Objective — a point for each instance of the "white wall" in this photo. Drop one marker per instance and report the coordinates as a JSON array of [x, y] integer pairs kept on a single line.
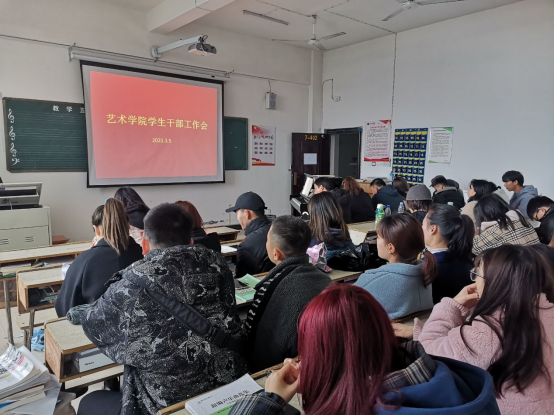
[[489, 75], [39, 71]]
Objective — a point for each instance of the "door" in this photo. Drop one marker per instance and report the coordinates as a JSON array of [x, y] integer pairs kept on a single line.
[[311, 153], [348, 155]]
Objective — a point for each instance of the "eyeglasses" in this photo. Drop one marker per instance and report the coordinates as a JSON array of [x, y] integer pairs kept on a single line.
[[473, 275]]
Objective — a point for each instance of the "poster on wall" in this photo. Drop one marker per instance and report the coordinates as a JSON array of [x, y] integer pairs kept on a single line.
[[440, 144], [263, 146], [377, 141], [409, 153]]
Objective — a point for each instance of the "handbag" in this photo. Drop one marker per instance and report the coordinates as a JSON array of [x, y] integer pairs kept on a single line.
[[355, 259]]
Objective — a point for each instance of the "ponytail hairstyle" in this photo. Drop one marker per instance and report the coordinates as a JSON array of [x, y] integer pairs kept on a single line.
[[115, 225], [456, 229], [482, 188], [516, 277], [405, 233]]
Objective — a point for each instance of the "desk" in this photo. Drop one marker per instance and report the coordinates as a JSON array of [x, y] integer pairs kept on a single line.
[[335, 275], [30, 279], [260, 378], [225, 233], [359, 231], [35, 253], [61, 339]]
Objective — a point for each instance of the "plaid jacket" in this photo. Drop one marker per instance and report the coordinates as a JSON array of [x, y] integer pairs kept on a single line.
[[420, 368], [494, 236]]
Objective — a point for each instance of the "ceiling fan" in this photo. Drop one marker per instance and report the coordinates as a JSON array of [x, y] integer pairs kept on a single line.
[[412, 4], [314, 41]]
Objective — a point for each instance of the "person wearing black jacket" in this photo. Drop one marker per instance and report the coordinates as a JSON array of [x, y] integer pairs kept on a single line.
[[114, 251], [252, 254], [199, 235], [271, 323], [444, 193], [361, 206], [385, 194], [325, 184]]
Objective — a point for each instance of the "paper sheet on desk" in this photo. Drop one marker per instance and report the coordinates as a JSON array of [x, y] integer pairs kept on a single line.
[[227, 249], [45, 406]]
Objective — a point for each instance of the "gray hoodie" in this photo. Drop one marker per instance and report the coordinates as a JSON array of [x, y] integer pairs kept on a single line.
[[520, 200]]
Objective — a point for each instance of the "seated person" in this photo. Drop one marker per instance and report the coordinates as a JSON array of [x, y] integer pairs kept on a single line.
[[449, 236], [251, 253], [401, 185], [478, 188], [324, 184], [138, 322], [499, 225], [539, 208], [352, 364], [287, 289], [403, 286], [114, 251], [513, 181], [546, 231], [199, 236], [327, 224], [444, 193], [385, 194], [503, 324], [418, 201], [361, 206], [136, 210]]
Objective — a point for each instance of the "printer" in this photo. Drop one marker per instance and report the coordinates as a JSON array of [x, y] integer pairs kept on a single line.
[[299, 203], [24, 223]]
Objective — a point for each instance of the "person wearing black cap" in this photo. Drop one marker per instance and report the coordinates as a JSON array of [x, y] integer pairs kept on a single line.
[[252, 254], [445, 193]]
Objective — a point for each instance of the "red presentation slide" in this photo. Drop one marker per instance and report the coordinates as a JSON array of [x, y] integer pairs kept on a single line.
[[144, 128]]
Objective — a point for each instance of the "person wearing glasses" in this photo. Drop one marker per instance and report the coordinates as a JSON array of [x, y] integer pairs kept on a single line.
[[541, 209], [510, 332]]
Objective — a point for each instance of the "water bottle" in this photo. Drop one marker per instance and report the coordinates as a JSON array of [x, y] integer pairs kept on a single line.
[[388, 212], [401, 208], [391, 176], [379, 214]]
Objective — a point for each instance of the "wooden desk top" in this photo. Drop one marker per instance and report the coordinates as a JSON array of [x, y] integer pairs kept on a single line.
[[368, 227], [221, 230], [42, 276], [58, 250], [335, 275], [70, 338], [260, 378]]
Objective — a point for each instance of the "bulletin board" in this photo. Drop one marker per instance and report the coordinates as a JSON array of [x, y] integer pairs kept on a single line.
[[409, 154]]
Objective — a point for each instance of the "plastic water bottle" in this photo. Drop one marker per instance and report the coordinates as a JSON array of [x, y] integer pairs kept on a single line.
[[401, 208], [391, 176], [379, 214], [388, 212]]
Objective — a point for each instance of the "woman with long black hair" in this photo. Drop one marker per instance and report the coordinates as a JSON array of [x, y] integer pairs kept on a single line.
[[449, 236], [136, 211], [499, 225], [478, 188], [510, 333]]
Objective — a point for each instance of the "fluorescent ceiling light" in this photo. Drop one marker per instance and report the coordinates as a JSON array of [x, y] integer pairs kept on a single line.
[[249, 13]]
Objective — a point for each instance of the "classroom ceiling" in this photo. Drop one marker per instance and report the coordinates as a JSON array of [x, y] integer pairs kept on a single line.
[[360, 19]]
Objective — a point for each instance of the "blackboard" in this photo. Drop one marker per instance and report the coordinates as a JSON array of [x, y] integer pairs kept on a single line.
[[44, 136], [235, 137]]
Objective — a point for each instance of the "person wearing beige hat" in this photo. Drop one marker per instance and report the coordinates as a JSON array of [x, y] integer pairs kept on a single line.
[[418, 200]]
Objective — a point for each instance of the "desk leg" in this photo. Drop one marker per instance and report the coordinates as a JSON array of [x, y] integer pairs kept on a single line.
[[31, 328], [8, 310]]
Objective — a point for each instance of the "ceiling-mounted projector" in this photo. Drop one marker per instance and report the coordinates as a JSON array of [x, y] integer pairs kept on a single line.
[[198, 47]]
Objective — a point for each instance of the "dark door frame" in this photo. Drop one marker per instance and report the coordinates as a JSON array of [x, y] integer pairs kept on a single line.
[[359, 130]]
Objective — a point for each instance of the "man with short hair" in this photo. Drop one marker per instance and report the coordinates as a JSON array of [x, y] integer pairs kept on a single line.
[[540, 207], [385, 194], [281, 296], [251, 253], [444, 193], [513, 181], [326, 184], [141, 321]]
